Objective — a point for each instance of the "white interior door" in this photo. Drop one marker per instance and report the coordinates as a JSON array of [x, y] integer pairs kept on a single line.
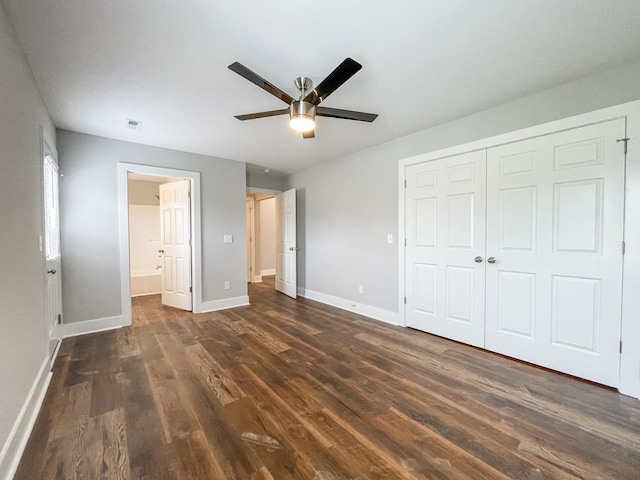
[[53, 287], [286, 249], [175, 244], [445, 233], [555, 229]]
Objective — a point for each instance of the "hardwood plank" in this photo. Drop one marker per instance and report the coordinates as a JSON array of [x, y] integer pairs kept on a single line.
[[294, 389], [222, 385], [115, 455], [194, 458]]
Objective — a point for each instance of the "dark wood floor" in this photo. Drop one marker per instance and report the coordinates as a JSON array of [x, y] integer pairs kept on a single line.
[[296, 389]]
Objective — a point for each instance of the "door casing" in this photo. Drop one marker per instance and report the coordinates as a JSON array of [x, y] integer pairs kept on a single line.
[[123, 218]]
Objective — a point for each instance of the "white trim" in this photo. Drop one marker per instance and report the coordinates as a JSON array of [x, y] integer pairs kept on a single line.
[[374, 313], [630, 357], [146, 294], [270, 271], [95, 326], [252, 238], [17, 440], [225, 303], [123, 217]]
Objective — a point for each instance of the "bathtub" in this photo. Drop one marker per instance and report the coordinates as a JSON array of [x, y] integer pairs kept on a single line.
[[145, 283]]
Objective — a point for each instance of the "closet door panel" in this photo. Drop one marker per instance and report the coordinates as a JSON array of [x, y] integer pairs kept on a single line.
[[445, 231], [554, 226]]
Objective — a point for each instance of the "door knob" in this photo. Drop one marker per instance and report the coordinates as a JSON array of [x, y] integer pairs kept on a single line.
[[478, 259], [52, 271], [491, 260]]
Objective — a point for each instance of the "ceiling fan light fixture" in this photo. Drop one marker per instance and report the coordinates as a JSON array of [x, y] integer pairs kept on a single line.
[[302, 116]]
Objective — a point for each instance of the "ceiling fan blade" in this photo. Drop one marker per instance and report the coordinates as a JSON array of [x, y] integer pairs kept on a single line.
[[346, 114], [261, 82], [270, 113], [341, 74], [309, 134]]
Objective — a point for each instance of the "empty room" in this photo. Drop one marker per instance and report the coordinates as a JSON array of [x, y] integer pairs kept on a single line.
[[328, 241]]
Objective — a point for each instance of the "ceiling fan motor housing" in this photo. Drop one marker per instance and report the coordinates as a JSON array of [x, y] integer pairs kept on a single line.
[[302, 115], [302, 108]]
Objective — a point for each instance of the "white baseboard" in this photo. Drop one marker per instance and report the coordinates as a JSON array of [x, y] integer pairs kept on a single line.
[[145, 294], [352, 306], [223, 304], [271, 271], [93, 326], [257, 279], [16, 442]]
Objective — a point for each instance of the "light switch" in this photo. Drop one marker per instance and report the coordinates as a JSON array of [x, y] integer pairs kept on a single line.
[[228, 239], [389, 237]]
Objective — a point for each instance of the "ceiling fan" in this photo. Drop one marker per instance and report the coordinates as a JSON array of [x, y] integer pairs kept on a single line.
[[302, 112]]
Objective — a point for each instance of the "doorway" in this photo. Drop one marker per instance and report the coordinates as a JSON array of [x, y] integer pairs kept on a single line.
[[192, 281], [271, 239], [159, 238], [261, 236], [51, 245]]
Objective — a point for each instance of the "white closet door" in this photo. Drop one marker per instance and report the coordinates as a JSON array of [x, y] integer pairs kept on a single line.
[[554, 226], [445, 232]]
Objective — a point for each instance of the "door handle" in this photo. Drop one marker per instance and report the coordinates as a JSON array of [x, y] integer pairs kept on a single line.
[[52, 271], [478, 259], [160, 251], [491, 260]]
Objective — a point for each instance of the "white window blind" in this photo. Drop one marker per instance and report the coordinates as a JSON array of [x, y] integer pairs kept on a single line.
[[51, 209]]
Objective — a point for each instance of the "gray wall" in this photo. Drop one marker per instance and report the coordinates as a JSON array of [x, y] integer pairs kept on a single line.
[[89, 192], [23, 345], [266, 181], [347, 206]]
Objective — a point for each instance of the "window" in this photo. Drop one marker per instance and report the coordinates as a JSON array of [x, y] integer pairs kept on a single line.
[[51, 209]]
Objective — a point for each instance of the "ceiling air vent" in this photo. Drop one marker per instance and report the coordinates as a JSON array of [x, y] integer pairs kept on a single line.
[[133, 124]]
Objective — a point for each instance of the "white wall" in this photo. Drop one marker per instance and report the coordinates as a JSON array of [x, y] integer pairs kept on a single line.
[[91, 281], [144, 230], [347, 207], [142, 192], [267, 232], [23, 345], [144, 239]]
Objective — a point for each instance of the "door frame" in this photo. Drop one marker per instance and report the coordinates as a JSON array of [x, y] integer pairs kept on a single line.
[[123, 222], [257, 277], [630, 323], [47, 148], [252, 239]]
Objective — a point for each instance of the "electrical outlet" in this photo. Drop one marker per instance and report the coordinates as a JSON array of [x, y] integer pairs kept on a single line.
[[227, 285], [228, 239]]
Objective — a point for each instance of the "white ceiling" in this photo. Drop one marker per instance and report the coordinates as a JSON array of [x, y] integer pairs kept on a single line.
[[425, 62]]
